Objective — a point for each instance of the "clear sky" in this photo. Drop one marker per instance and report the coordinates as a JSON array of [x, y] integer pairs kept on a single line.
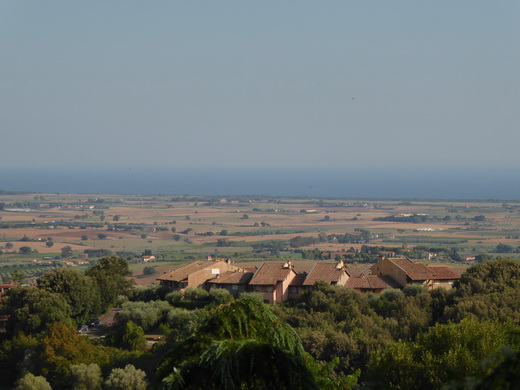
[[343, 84]]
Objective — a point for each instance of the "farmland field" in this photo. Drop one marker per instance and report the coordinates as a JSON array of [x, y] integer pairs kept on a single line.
[[34, 229]]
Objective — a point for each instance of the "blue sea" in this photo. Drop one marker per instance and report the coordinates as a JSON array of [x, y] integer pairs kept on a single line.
[[332, 182]]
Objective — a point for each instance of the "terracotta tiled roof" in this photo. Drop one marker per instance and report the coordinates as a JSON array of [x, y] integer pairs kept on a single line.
[[182, 272], [357, 282], [359, 269], [249, 269], [372, 282], [327, 272], [382, 281], [270, 274], [414, 271], [443, 273], [233, 278]]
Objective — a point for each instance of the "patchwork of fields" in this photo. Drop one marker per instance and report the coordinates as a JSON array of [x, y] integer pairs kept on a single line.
[[39, 232]]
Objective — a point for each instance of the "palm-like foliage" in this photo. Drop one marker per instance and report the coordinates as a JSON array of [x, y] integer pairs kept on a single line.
[[243, 346]]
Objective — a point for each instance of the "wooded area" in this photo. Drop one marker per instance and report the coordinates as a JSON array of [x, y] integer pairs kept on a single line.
[[330, 338]]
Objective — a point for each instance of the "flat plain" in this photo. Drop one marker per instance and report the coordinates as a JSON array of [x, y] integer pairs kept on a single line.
[[183, 228]]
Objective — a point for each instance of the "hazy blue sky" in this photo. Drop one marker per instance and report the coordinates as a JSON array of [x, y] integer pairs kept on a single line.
[[178, 84]]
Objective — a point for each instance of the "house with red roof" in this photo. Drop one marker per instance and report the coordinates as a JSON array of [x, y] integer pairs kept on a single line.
[[330, 273], [296, 286], [5, 287], [279, 282], [235, 282], [404, 271], [273, 281], [371, 283], [196, 274]]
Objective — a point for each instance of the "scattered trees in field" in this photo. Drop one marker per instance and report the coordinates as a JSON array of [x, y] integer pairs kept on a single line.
[[25, 250], [149, 270], [66, 251], [98, 252]]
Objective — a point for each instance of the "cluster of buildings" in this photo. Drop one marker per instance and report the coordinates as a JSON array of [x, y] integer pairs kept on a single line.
[[279, 282]]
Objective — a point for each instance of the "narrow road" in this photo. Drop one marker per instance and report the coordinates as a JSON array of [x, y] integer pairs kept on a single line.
[[107, 321]]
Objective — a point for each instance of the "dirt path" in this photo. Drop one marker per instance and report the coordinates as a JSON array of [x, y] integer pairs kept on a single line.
[[107, 321]]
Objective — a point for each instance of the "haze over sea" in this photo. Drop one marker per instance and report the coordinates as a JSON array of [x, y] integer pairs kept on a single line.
[[463, 183], [354, 99]]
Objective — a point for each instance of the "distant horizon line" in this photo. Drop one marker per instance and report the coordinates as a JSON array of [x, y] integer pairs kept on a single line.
[[334, 183], [230, 195]]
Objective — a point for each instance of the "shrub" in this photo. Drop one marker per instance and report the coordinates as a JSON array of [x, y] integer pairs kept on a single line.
[[196, 294], [128, 378], [31, 382], [86, 376]]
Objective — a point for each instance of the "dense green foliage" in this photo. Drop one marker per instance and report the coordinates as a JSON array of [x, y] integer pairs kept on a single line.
[[243, 345], [331, 337], [334, 322], [80, 292], [110, 275], [32, 382], [86, 376], [446, 352], [33, 310], [127, 378]]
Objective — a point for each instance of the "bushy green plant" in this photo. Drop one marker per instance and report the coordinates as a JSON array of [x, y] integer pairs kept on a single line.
[[128, 378], [147, 315], [220, 295], [196, 294], [86, 376], [32, 382]]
